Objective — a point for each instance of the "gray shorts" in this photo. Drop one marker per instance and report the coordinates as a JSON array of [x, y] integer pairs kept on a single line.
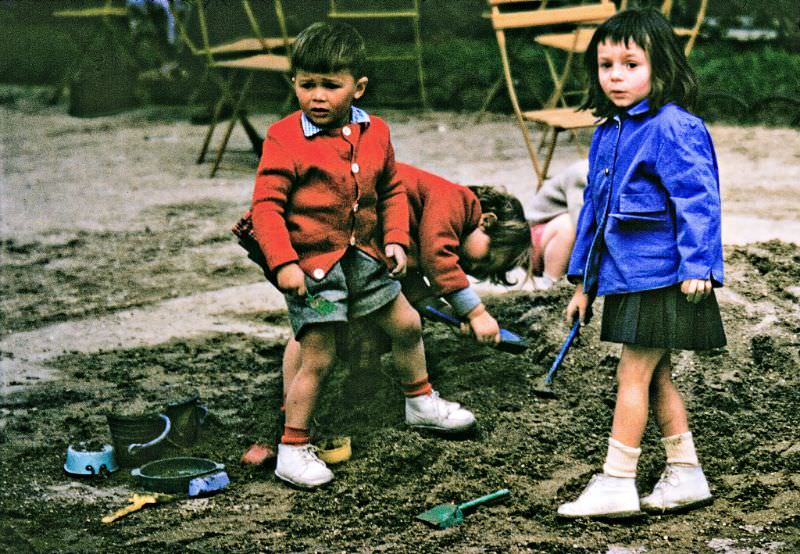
[[356, 286]]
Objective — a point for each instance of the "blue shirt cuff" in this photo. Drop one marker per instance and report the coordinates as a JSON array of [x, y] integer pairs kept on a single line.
[[463, 301]]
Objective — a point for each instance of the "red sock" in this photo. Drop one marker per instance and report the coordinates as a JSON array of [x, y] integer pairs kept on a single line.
[[295, 436], [417, 388]]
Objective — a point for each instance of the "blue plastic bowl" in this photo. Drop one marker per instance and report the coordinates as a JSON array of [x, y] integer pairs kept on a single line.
[[81, 462]]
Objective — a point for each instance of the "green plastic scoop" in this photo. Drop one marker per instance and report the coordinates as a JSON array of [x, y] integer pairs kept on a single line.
[[447, 515]]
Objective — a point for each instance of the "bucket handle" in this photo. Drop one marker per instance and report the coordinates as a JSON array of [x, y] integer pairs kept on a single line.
[[158, 439]]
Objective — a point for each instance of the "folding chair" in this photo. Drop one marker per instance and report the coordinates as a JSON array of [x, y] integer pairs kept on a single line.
[[577, 41], [255, 54], [550, 118], [410, 13], [110, 15], [689, 33]]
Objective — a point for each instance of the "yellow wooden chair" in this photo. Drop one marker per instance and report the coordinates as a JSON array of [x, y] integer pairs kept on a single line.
[[506, 16], [577, 41], [408, 11], [251, 55]]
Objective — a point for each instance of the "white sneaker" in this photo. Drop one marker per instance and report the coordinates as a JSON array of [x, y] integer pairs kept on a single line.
[[429, 411], [679, 488], [300, 466], [606, 497]]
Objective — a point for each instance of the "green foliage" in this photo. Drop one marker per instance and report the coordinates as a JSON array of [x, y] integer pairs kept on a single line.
[[461, 68], [751, 74], [33, 53], [759, 85]]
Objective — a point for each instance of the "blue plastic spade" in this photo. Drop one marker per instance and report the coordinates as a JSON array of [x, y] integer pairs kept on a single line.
[[544, 389], [509, 342]]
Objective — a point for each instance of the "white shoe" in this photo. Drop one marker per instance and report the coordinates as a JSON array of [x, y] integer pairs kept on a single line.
[[430, 411], [680, 488], [606, 497], [300, 466]]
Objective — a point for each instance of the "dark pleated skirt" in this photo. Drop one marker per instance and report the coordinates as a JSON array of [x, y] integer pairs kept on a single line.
[[662, 318]]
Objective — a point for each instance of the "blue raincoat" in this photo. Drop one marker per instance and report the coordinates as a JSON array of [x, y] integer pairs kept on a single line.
[[651, 213]]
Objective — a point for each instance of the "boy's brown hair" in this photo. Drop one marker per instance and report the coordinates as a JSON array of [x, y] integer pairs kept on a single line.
[[329, 48], [510, 233]]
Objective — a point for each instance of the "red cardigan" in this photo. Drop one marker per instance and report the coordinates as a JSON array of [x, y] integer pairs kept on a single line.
[[314, 197], [441, 215]]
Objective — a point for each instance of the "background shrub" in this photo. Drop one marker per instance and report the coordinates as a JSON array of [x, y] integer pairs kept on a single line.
[[461, 60]]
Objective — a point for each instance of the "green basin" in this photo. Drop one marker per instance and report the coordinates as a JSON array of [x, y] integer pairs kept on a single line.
[[172, 475]]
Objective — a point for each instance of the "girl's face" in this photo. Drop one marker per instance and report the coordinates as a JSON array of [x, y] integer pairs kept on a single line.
[[326, 98], [623, 72]]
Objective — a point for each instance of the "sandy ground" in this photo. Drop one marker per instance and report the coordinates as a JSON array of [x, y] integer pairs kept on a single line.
[[63, 175], [77, 191]]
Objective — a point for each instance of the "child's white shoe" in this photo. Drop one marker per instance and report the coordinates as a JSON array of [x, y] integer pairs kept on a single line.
[[680, 488], [606, 497], [300, 466], [430, 411]]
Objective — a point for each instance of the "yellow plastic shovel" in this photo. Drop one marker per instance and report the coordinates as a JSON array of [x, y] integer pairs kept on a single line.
[[138, 501]]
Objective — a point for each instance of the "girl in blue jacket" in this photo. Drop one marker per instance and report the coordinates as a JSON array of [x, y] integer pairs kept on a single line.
[[648, 239]]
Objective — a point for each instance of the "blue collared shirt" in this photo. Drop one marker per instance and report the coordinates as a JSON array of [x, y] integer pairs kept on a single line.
[[357, 115], [651, 213]]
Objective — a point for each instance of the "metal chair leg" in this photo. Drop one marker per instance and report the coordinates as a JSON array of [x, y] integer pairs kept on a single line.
[[214, 119], [234, 117]]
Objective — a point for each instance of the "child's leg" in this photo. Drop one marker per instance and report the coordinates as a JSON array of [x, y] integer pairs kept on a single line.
[[668, 407], [291, 365], [424, 407], [557, 240], [403, 324], [317, 348], [613, 493], [297, 463], [683, 484], [634, 374]]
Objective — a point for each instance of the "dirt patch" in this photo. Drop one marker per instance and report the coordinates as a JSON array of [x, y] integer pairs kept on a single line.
[[129, 304], [741, 399]]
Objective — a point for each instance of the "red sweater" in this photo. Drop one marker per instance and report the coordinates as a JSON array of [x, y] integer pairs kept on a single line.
[[441, 214], [314, 197]]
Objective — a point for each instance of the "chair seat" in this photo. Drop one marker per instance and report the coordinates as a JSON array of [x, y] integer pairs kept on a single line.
[[373, 15], [261, 62], [100, 11], [251, 44], [562, 118], [567, 41]]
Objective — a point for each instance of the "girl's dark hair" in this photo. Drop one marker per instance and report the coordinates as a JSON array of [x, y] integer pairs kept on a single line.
[[329, 48], [510, 234], [671, 80]]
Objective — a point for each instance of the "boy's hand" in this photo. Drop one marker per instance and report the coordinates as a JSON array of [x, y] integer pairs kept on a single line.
[[292, 280], [398, 254], [578, 307], [696, 290], [483, 325]]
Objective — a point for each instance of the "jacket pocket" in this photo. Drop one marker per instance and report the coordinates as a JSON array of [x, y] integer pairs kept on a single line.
[[641, 207]]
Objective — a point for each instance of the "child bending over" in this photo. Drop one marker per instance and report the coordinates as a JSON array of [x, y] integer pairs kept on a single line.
[[456, 231], [330, 215], [648, 239], [553, 215]]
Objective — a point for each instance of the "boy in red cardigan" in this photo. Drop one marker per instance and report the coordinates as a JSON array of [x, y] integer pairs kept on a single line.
[[455, 231], [329, 216]]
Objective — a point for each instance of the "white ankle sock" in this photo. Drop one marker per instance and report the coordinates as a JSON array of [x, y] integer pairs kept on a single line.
[[680, 450], [621, 460]]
